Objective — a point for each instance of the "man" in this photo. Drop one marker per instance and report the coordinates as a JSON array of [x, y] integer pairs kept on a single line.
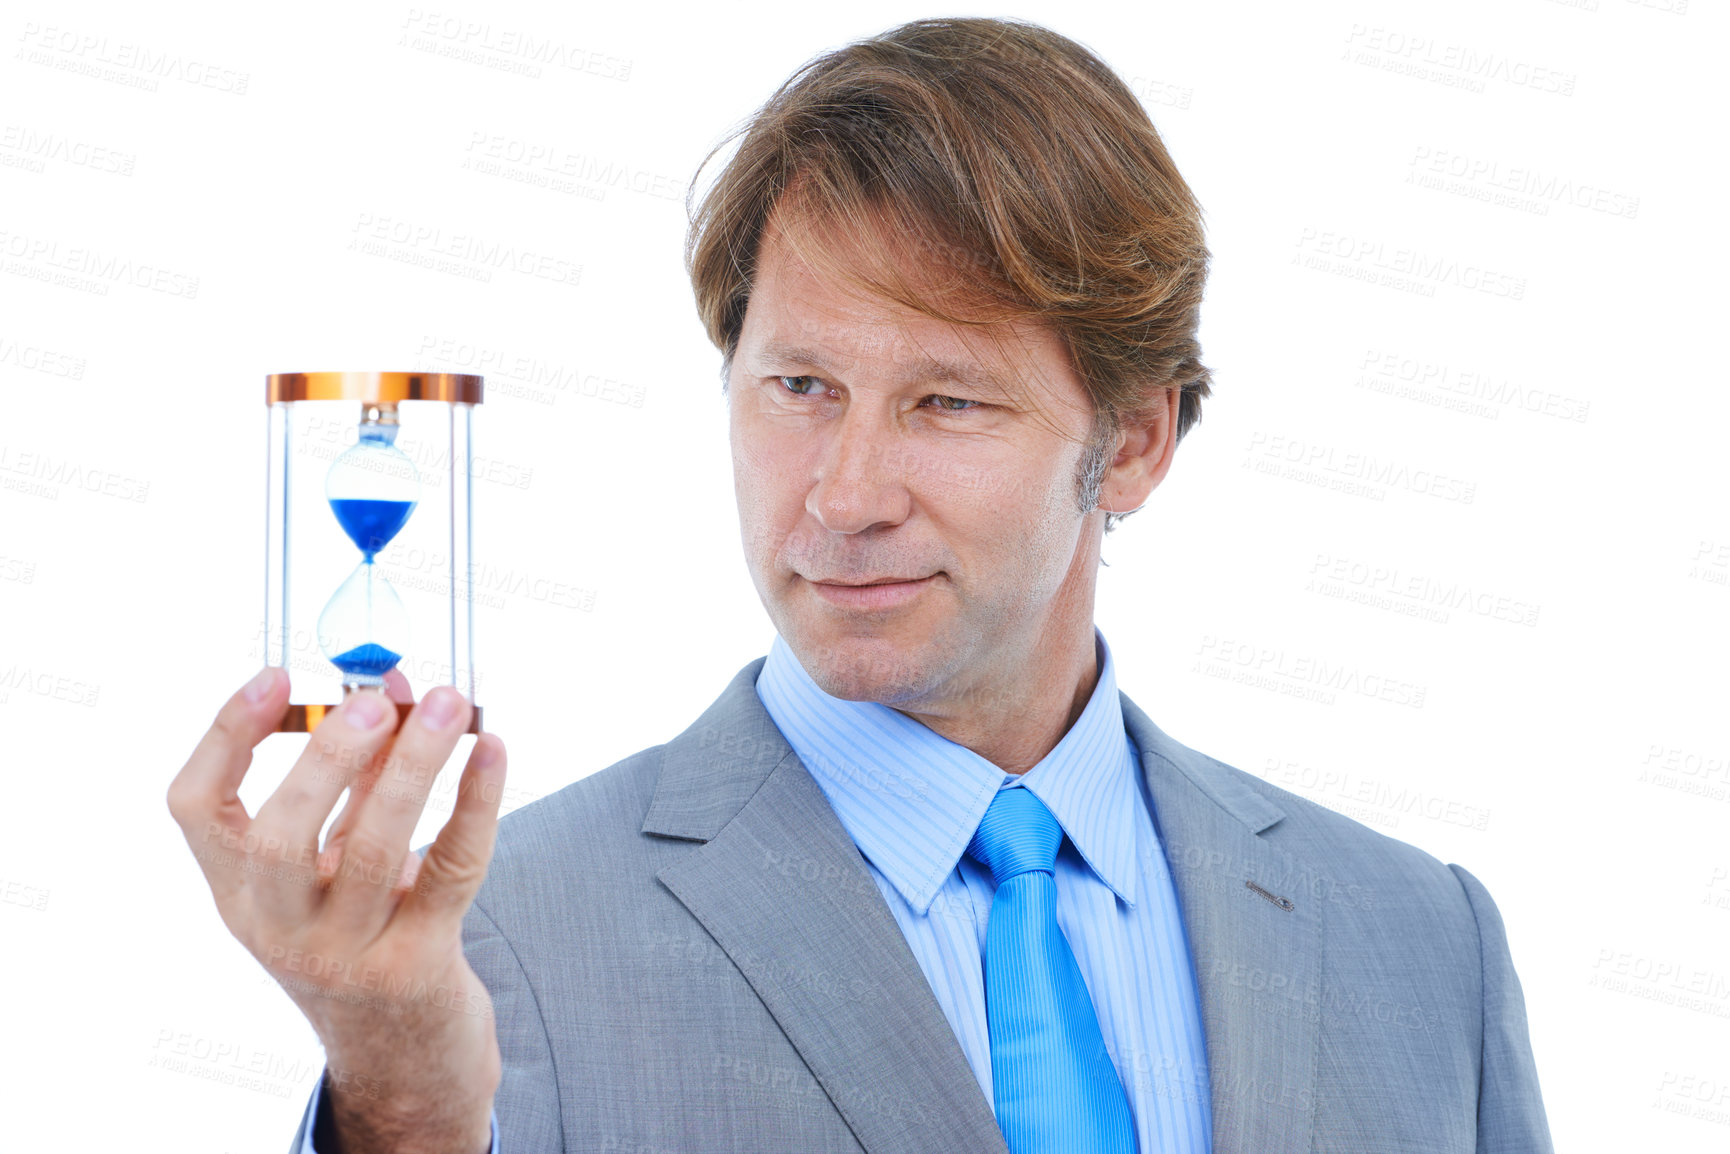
[[922, 879]]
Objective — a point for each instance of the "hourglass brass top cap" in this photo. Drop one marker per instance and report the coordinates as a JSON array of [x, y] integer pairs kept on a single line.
[[457, 388]]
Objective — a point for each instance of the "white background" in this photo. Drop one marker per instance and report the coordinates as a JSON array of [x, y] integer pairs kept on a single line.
[[1554, 355]]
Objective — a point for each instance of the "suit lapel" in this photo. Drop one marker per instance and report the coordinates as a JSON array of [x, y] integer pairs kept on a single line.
[[1257, 962], [782, 889]]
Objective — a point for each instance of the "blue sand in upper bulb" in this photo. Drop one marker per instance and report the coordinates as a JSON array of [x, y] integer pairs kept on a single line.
[[372, 659], [371, 524]]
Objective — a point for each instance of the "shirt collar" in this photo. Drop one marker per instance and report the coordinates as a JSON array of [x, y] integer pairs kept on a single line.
[[911, 799]]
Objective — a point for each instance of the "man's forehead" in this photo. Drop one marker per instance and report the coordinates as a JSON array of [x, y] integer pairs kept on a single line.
[[830, 279], [803, 318]]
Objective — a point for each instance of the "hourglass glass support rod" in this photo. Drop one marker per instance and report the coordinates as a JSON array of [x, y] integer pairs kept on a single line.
[[278, 482], [469, 547], [461, 550]]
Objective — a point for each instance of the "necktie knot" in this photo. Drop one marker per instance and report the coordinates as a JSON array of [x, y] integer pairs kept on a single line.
[[1017, 835]]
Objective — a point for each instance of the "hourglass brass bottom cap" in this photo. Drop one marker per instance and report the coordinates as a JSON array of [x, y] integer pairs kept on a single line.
[[305, 718]]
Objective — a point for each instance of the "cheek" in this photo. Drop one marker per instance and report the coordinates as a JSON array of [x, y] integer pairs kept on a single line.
[[1019, 495], [1025, 526], [766, 485]]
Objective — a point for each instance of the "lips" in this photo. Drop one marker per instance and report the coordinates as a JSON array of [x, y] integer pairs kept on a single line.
[[873, 594], [866, 581]]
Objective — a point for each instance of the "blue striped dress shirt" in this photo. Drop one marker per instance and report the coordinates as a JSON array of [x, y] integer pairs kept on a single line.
[[911, 800]]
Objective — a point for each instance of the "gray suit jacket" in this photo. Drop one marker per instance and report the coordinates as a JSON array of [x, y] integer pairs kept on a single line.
[[686, 953]]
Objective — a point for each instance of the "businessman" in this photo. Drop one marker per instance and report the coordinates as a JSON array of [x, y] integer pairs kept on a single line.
[[922, 878]]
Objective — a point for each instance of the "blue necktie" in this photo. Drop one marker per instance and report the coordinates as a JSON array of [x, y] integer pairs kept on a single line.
[[1055, 1085]]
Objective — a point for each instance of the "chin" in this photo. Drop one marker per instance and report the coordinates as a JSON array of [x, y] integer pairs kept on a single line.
[[857, 666]]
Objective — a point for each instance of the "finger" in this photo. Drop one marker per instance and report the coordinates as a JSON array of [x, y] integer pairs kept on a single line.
[[456, 862], [337, 833], [398, 690], [411, 867], [390, 803], [396, 687], [204, 796], [331, 855], [285, 832]]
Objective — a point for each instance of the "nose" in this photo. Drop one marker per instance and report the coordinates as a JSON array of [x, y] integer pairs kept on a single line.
[[860, 484]]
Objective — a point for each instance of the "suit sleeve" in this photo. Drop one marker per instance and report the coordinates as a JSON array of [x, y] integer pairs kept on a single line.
[[314, 1124], [1510, 1108], [527, 1103]]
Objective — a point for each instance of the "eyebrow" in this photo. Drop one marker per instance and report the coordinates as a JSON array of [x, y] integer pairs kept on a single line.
[[922, 368]]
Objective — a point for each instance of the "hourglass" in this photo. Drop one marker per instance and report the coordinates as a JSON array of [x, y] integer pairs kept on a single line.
[[369, 536]]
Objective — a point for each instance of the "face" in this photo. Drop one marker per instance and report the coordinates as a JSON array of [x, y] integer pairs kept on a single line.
[[907, 489]]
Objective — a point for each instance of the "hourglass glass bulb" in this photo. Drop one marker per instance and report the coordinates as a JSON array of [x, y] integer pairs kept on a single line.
[[364, 628], [372, 489]]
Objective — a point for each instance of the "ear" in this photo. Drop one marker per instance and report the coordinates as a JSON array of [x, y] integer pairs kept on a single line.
[[1146, 445]]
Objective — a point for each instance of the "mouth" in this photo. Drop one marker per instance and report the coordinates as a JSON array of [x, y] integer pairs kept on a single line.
[[868, 581], [873, 594]]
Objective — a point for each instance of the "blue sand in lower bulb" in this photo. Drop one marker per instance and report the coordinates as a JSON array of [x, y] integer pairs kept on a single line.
[[370, 659], [371, 524]]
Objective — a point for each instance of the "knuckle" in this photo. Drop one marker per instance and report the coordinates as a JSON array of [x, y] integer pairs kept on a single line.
[[458, 864], [406, 775], [463, 864], [229, 726], [179, 803], [362, 847], [455, 876], [334, 749], [294, 794]]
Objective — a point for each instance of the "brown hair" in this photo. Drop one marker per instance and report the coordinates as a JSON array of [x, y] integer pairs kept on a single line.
[[1017, 169]]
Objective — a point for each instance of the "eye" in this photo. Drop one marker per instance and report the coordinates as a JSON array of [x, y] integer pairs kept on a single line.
[[953, 404], [807, 386]]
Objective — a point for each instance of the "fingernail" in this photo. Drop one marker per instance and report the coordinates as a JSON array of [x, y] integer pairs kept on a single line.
[[364, 709], [259, 686], [440, 708]]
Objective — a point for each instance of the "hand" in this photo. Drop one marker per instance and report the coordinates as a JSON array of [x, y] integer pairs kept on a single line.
[[366, 937]]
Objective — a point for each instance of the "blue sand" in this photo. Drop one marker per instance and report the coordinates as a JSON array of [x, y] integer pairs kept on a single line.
[[372, 659], [371, 524]]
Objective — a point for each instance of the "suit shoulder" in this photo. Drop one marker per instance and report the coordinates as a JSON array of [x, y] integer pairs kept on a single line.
[[597, 813], [1339, 846]]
